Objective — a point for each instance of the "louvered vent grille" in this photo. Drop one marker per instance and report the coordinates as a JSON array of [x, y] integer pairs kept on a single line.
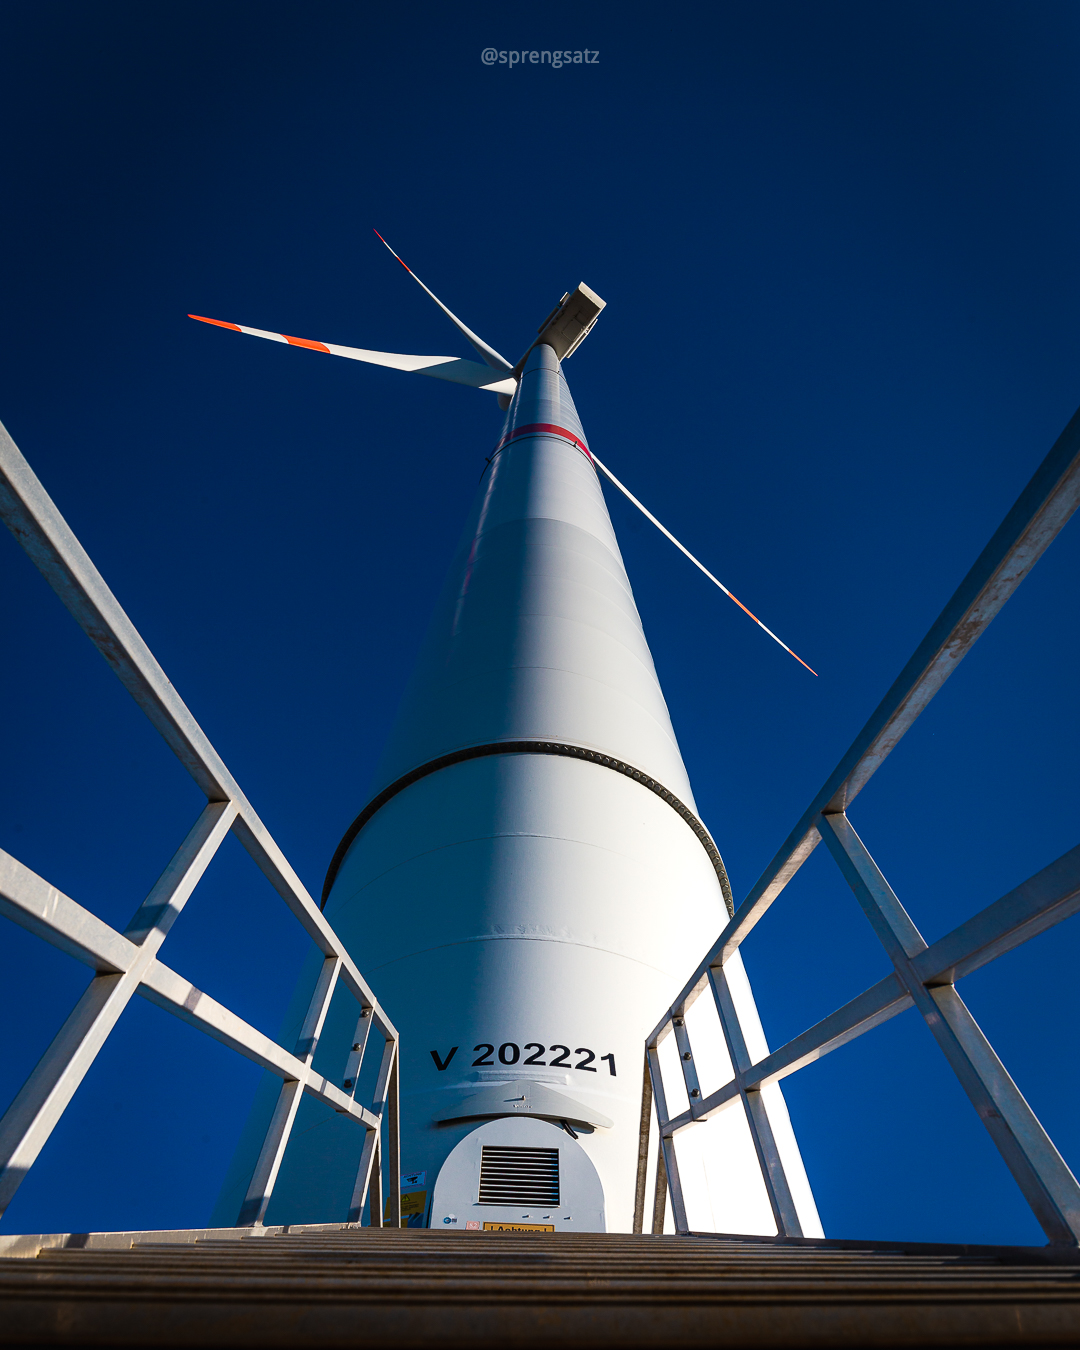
[[519, 1176]]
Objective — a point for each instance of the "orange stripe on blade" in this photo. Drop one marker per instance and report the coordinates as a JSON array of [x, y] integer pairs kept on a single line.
[[306, 342], [218, 323]]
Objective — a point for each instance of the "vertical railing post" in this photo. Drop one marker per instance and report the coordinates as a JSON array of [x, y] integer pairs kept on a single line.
[[781, 1201], [356, 1054], [644, 1130], [393, 1146], [371, 1155], [268, 1164], [362, 1185], [375, 1215], [667, 1143], [686, 1062], [660, 1191]]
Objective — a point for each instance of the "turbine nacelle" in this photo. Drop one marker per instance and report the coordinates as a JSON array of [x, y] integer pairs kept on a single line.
[[568, 324]]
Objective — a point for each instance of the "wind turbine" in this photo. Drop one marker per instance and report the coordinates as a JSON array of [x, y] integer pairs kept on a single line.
[[529, 881]]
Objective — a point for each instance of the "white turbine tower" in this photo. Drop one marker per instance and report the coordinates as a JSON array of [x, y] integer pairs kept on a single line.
[[529, 883]]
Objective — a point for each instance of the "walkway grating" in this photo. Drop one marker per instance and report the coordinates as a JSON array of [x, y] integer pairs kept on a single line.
[[341, 1286]]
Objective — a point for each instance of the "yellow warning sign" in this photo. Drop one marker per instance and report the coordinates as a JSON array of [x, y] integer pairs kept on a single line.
[[414, 1203], [519, 1227]]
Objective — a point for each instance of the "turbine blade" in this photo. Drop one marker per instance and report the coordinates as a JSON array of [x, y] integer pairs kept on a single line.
[[451, 368], [700, 566], [490, 355]]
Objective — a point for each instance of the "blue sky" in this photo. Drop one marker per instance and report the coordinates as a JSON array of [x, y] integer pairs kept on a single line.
[[838, 245]]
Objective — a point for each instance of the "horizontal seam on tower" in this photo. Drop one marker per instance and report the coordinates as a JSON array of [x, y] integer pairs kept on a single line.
[[558, 520], [471, 676], [669, 735], [479, 839], [605, 633], [617, 571], [525, 937], [534, 747]]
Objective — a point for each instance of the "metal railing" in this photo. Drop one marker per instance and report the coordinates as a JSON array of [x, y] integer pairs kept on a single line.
[[127, 963], [923, 976]]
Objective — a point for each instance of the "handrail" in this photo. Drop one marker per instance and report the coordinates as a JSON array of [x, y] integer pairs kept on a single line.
[[126, 963], [924, 976]]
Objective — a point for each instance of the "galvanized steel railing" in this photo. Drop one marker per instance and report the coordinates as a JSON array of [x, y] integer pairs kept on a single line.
[[127, 963], [924, 976]]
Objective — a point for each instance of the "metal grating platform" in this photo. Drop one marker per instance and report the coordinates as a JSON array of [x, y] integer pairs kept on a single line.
[[347, 1286]]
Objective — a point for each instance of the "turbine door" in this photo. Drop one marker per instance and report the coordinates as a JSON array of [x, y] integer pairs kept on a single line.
[[519, 1173]]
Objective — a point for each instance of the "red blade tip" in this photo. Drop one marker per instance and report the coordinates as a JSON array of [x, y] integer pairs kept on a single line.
[[400, 260], [218, 323]]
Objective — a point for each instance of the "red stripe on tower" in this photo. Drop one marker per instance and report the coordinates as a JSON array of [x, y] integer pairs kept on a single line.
[[543, 428]]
